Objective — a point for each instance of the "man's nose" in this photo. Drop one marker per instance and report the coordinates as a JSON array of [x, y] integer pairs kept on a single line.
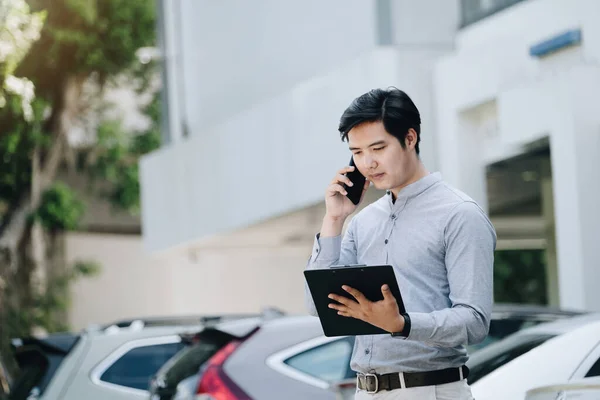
[[370, 163]]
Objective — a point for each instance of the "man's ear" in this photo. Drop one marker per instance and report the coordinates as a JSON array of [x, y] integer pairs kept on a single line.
[[411, 139]]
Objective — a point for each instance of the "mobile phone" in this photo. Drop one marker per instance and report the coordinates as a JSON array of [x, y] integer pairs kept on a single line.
[[358, 179]]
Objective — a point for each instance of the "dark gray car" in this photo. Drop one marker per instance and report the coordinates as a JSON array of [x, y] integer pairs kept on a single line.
[[258, 359]]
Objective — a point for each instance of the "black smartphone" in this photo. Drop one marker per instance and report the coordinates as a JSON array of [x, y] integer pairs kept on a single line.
[[358, 179]]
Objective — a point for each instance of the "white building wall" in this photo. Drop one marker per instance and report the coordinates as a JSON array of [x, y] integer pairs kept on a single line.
[[226, 275], [493, 99], [225, 56], [130, 284], [274, 158], [260, 87]]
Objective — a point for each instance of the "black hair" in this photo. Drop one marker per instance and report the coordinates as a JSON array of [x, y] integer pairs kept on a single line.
[[391, 106]]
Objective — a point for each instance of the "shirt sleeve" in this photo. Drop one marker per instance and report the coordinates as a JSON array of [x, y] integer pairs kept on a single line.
[[470, 241], [329, 251]]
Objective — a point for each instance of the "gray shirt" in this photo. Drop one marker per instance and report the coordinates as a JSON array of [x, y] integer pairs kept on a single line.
[[441, 245]]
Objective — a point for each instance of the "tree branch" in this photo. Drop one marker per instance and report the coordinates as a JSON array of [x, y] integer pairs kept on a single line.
[[44, 171]]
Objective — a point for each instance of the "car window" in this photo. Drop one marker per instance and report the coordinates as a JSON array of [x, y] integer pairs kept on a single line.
[[595, 370], [329, 361], [135, 368], [491, 364]]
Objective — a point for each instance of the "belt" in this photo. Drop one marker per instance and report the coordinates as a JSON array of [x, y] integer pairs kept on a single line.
[[374, 383]]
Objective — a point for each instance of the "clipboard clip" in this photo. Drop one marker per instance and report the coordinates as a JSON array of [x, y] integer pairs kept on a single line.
[[347, 266]]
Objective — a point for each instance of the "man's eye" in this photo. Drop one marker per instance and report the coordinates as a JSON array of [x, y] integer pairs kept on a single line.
[[379, 148], [357, 153]]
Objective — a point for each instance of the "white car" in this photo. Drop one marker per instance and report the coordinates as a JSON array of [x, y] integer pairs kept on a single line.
[[580, 389], [569, 356]]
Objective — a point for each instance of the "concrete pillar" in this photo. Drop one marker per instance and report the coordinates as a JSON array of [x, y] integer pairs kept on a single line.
[[172, 61], [575, 145], [550, 236], [460, 155]]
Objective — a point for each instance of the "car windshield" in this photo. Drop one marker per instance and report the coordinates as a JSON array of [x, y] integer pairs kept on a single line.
[[503, 327]]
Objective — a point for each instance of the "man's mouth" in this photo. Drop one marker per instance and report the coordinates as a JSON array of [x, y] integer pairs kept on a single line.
[[376, 177]]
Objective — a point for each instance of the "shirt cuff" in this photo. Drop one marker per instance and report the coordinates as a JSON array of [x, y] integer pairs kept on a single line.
[[420, 327], [326, 248]]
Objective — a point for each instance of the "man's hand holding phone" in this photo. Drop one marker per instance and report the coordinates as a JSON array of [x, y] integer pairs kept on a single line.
[[338, 205]]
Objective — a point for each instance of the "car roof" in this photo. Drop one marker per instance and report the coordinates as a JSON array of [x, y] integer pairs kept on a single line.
[[127, 334], [242, 327], [55, 342], [561, 325], [513, 309], [542, 331], [291, 321], [131, 329], [174, 320]]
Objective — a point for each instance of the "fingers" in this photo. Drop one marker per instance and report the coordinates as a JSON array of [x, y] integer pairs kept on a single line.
[[342, 179], [387, 293], [355, 293], [345, 170], [342, 300], [341, 176], [337, 183], [341, 310], [336, 188]]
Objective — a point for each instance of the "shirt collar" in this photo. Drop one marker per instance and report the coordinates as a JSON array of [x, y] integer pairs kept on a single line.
[[414, 189]]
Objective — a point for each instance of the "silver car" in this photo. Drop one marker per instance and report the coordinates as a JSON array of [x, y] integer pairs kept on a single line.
[[112, 362]]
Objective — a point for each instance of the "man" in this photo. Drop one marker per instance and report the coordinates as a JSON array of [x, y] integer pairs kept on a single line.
[[439, 241]]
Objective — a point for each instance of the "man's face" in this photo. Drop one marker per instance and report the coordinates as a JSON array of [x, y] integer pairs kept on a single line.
[[380, 157]]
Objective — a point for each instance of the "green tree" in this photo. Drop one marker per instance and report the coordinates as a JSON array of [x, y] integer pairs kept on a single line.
[[520, 277], [83, 43]]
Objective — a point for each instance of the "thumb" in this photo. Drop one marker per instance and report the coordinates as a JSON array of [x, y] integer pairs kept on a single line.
[[387, 293]]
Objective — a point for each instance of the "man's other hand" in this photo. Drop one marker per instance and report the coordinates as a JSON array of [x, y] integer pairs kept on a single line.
[[383, 314]]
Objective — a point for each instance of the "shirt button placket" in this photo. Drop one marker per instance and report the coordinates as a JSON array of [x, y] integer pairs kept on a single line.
[[386, 241]]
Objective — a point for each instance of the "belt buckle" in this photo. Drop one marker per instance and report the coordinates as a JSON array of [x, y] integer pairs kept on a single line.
[[367, 376]]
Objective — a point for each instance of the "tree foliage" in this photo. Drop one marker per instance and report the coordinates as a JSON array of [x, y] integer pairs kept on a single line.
[[520, 277], [19, 28], [81, 44]]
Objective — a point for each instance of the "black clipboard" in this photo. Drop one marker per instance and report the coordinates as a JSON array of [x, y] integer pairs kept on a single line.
[[367, 279]]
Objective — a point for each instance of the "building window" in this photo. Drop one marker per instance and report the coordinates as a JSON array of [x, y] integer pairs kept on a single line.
[[475, 10]]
